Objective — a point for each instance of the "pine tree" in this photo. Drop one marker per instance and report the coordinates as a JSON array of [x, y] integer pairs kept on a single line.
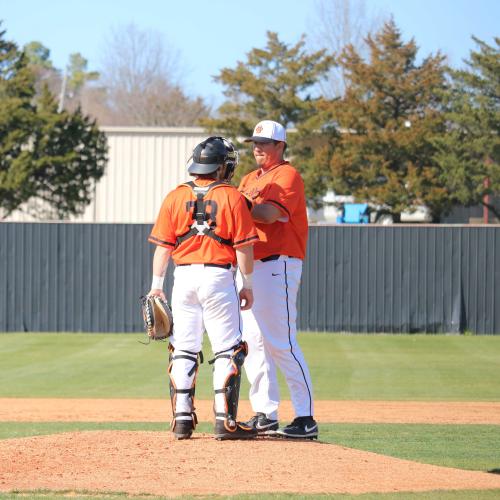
[[55, 157], [469, 154], [275, 83], [78, 75], [388, 118], [69, 155], [38, 55], [17, 121]]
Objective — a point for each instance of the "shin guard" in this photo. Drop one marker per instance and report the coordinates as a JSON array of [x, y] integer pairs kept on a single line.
[[227, 377], [182, 370]]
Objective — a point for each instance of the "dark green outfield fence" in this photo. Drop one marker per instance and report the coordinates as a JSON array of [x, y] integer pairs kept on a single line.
[[88, 277]]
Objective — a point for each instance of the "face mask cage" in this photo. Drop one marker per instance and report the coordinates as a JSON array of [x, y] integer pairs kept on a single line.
[[231, 161]]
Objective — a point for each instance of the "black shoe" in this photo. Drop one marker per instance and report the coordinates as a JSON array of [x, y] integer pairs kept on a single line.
[[300, 428], [234, 430], [262, 424], [183, 429]]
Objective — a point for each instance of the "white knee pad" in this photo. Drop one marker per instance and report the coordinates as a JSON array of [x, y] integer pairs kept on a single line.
[[182, 370]]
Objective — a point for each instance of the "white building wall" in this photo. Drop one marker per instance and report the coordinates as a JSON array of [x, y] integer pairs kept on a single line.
[[144, 164]]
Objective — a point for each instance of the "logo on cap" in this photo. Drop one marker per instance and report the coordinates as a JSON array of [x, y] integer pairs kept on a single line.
[[258, 129]]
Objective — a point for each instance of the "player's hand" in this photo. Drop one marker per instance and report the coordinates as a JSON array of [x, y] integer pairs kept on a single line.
[[158, 293], [246, 298]]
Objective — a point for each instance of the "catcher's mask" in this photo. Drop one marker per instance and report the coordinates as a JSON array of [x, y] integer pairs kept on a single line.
[[211, 154]]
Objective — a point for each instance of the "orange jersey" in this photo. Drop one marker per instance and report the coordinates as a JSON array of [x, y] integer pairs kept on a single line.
[[283, 187], [228, 215]]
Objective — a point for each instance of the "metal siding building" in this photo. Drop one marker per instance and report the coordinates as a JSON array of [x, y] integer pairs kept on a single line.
[[144, 164], [395, 279]]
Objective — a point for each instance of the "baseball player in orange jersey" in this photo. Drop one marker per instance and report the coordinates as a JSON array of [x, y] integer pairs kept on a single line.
[[206, 228], [276, 192]]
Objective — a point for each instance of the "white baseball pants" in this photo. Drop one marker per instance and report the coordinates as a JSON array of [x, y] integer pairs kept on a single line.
[[203, 298], [271, 333]]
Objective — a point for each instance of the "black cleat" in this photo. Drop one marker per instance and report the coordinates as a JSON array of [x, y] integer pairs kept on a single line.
[[262, 424], [238, 430], [300, 428], [183, 429]]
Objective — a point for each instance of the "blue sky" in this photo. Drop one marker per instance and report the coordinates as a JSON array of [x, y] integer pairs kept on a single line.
[[213, 34]]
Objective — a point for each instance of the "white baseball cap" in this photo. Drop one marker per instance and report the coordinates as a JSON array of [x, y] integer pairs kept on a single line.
[[268, 131]]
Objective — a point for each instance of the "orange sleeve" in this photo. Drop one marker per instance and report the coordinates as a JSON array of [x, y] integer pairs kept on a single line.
[[241, 187], [285, 192], [244, 229], [163, 233]]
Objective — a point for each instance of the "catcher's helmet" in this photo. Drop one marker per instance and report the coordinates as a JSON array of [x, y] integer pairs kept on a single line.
[[213, 153]]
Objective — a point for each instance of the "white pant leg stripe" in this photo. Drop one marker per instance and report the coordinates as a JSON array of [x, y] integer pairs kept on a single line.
[[290, 342]]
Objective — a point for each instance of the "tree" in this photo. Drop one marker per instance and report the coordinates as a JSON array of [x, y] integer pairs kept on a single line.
[[140, 85], [75, 84], [17, 120], [336, 24], [55, 157], [274, 83], [70, 87], [39, 62], [78, 75], [69, 156], [389, 117], [469, 154], [38, 55]]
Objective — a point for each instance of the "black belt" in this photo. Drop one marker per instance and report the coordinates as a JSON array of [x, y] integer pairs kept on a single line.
[[223, 266], [272, 257]]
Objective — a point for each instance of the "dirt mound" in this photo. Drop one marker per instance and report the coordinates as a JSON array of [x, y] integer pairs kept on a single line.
[[154, 463]]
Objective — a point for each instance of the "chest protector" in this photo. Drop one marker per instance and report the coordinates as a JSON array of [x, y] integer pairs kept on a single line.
[[200, 225]]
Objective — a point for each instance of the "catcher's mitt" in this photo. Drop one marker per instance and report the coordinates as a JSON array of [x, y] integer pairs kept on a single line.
[[158, 319]]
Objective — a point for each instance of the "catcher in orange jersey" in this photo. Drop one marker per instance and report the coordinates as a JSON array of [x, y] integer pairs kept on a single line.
[[276, 191], [206, 228]]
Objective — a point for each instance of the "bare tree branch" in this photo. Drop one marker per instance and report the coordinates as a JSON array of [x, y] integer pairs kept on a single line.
[[336, 24], [140, 83]]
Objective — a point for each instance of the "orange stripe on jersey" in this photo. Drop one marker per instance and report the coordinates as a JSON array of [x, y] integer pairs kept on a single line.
[[283, 187], [227, 213]]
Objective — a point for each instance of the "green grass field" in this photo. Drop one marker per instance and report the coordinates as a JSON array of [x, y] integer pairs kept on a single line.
[[343, 367]]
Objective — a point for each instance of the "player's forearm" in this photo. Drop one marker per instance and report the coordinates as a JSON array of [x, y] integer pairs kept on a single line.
[[160, 263], [265, 213], [244, 257]]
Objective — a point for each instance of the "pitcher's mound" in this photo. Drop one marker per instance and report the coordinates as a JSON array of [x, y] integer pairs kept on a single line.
[[154, 463]]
